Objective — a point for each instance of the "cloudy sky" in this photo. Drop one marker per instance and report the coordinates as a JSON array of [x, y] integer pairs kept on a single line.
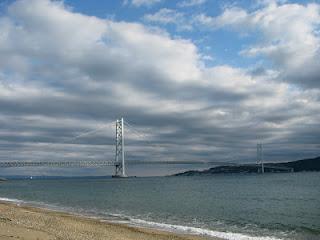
[[201, 80]]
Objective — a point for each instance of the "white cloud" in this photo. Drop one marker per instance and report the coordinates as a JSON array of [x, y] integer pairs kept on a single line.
[[164, 16], [169, 16], [140, 3], [289, 33], [289, 36], [230, 16], [191, 3]]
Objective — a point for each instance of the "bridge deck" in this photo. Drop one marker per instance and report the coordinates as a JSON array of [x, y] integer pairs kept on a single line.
[[56, 164]]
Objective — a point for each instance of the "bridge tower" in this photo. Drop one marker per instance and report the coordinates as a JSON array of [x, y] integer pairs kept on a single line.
[[259, 156], [119, 158]]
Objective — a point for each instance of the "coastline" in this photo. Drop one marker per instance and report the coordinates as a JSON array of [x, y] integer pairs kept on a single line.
[[21, 221]]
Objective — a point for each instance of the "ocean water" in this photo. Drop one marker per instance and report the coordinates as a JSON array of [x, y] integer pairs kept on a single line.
[[266, 207]]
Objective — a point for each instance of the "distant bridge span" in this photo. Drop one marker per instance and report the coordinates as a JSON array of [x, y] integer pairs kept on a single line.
[[95, 163], [99, 163]]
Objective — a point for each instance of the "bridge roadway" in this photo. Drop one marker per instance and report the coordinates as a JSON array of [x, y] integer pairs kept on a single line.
[[99, 163], [93, 163]]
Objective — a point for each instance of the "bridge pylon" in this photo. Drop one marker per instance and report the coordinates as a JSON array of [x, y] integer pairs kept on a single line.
[[120, 170], [260, 157]]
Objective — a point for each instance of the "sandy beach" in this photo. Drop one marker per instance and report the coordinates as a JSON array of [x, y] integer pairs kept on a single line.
[[29, 223]]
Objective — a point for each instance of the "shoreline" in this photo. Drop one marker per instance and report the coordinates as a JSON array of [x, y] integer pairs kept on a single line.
[[22, 221]]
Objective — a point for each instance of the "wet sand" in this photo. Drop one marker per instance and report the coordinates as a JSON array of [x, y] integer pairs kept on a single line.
[[29, 223]]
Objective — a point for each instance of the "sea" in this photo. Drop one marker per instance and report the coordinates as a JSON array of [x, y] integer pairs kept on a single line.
[[230, 206]]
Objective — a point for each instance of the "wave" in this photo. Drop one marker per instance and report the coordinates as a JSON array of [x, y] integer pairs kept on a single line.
[[198, 231], [10, 200], [123, 219]]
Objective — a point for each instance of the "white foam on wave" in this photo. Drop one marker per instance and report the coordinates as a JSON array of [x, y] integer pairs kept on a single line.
[[199, 231], [10, 200], [33, 204]]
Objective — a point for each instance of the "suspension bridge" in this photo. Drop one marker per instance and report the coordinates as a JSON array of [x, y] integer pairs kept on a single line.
[[119, 162]]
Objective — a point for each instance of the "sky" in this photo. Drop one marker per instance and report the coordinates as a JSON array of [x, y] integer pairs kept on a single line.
[[200, 80]]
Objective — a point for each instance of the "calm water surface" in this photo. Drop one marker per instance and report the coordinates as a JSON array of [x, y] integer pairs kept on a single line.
[[269, 206]]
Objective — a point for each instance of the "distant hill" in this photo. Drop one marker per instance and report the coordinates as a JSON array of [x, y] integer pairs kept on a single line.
[[296, 166]]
